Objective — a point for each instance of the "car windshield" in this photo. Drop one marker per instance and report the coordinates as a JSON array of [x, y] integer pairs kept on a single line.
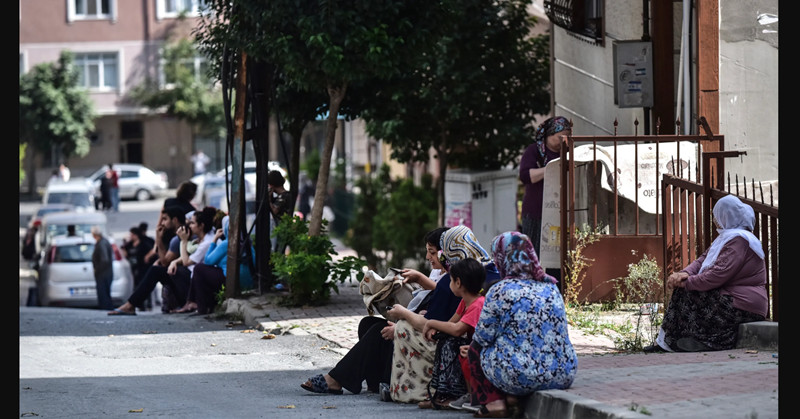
[[79, 199], [61, 229], [73, 253]]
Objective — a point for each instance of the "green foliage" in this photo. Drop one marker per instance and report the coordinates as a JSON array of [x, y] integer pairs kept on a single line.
[[309, 268], [187, 96], [578, 263], [312, 163], [643, 285], [392, 217], [22, 148], [54, 111]]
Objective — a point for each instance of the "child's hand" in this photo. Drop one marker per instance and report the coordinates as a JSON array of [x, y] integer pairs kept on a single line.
[[463, 350]]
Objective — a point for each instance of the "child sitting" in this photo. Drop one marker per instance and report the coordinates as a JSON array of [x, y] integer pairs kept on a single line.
[[467, 277]]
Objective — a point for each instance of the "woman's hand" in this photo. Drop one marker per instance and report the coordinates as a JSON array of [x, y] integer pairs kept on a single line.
[[677, 280], [397, 311], [463, 350], [428, 331], [411, 276], [173, 267], [183, 233], [219, 235], [388, 331]]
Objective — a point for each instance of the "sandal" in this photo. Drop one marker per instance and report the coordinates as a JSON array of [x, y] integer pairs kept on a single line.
[[317, 384]]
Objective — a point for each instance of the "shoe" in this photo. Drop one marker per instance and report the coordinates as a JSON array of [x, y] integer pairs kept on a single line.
[[654, 348], [317, 384], [118, 312], [691, 345], [486, 413], [474, 408], [425, 404], [459, 403], [386, 394]]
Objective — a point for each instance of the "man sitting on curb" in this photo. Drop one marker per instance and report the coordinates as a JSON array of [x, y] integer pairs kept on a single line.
[[171, 219]]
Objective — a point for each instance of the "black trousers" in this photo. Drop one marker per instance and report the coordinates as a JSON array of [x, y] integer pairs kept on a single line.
[[178, 284], [369, 359]]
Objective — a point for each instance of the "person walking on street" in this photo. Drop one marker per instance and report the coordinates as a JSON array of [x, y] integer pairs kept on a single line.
[[102, 259], [114, 178], [200, 161]]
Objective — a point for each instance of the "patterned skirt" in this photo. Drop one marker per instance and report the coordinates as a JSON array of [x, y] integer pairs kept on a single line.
[[707, 316], [412, 364]]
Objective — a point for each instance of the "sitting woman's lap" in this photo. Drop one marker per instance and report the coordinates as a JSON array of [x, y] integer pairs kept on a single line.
[[412, 364]]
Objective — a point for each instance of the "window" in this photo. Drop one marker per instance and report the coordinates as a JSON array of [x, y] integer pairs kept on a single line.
[[583, 18], [97, 70], [91, 10], [173, 8], [129, 130], [197, 66]]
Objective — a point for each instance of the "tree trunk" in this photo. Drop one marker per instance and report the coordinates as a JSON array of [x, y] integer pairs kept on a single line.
[[441, 152], [237, 220], [336, 94]]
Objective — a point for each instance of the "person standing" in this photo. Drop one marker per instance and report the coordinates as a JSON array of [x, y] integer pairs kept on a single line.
[[102, 259], [546, 147], [63, 172], [200, 162], [280, 204], [114, 178]]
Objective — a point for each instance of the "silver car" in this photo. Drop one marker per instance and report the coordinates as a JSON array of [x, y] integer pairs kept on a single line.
[[66, 275], [135, 181]]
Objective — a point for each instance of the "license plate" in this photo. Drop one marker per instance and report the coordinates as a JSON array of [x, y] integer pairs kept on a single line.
[[82, 291]]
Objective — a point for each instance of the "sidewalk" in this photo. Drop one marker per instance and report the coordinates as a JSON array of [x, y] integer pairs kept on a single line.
[[739, 383]]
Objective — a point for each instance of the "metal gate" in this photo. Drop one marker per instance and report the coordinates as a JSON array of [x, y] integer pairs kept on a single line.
[[599, 189]]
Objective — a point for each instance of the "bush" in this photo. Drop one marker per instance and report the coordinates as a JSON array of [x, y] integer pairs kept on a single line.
[[308, 268]]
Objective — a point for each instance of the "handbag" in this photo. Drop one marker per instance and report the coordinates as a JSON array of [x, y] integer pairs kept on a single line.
[[380, 294]]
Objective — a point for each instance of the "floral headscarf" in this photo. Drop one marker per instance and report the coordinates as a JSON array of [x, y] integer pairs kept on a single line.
[[735, 219], [515, 258], [459, 243], [549, 127]]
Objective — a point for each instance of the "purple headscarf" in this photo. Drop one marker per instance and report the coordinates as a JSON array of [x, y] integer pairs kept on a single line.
[[515, 258]]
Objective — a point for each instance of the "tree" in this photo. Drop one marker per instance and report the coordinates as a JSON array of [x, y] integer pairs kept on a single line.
[[328, 46], [474, 100], [186, 95], [55, 112]]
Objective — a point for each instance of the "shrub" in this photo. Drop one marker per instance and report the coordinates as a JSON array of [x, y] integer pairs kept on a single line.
[[308, 268]]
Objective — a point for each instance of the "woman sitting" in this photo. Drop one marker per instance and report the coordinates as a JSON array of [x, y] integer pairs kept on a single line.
[[370, 359], [724, 287], [521, 343], [413, 358]]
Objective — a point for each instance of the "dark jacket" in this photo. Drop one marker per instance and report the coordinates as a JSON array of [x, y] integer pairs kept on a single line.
[[102, 257]]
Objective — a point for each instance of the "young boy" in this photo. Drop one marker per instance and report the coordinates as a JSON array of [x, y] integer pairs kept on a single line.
[[467, 277]]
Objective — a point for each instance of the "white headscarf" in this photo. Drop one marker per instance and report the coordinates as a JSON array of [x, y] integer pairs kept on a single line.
[[736, 219]]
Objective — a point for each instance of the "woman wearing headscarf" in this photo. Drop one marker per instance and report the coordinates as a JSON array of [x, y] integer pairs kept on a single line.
[[547, 146], [414, 355], [521, 342], [724, 287]]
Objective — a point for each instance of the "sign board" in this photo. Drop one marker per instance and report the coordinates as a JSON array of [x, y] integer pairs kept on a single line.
[[633, 74]]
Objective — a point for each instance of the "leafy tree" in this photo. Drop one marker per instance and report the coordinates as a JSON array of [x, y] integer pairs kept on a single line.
[[327, 46], [55, 112], [473, 100], [186, 95]]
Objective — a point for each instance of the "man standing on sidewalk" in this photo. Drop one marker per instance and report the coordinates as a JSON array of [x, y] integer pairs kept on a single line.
[[102, 259]]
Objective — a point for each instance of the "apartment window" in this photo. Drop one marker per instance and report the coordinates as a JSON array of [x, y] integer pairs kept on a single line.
[[98, 71], [173, 8], [91, 9], [583, 18], [197, 66]]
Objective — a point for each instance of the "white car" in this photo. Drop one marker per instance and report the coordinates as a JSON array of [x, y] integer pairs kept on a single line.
[[135, 181], [56, 224], [75, 192], [250, 173], [66, 274]]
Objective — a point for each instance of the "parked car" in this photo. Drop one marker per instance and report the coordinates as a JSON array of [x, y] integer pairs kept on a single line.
[[45, 209], [250, 173], [135, 181], [55, 224], [66, 275], [75, 192]]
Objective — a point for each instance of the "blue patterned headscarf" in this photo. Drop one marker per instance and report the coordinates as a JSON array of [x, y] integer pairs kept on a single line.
[[549, 127], [515, 258], [459, 243]]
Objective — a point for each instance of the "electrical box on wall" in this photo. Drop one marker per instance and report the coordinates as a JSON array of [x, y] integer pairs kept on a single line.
[[633, 74]]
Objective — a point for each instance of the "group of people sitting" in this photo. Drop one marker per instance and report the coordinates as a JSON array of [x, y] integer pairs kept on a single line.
[[492, 328], [188, 258], [487, 330]]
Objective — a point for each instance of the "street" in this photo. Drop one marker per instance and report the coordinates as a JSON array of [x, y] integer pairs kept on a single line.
[[78, 363]]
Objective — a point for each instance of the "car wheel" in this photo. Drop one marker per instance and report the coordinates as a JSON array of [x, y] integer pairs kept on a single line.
[[143, 195]]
